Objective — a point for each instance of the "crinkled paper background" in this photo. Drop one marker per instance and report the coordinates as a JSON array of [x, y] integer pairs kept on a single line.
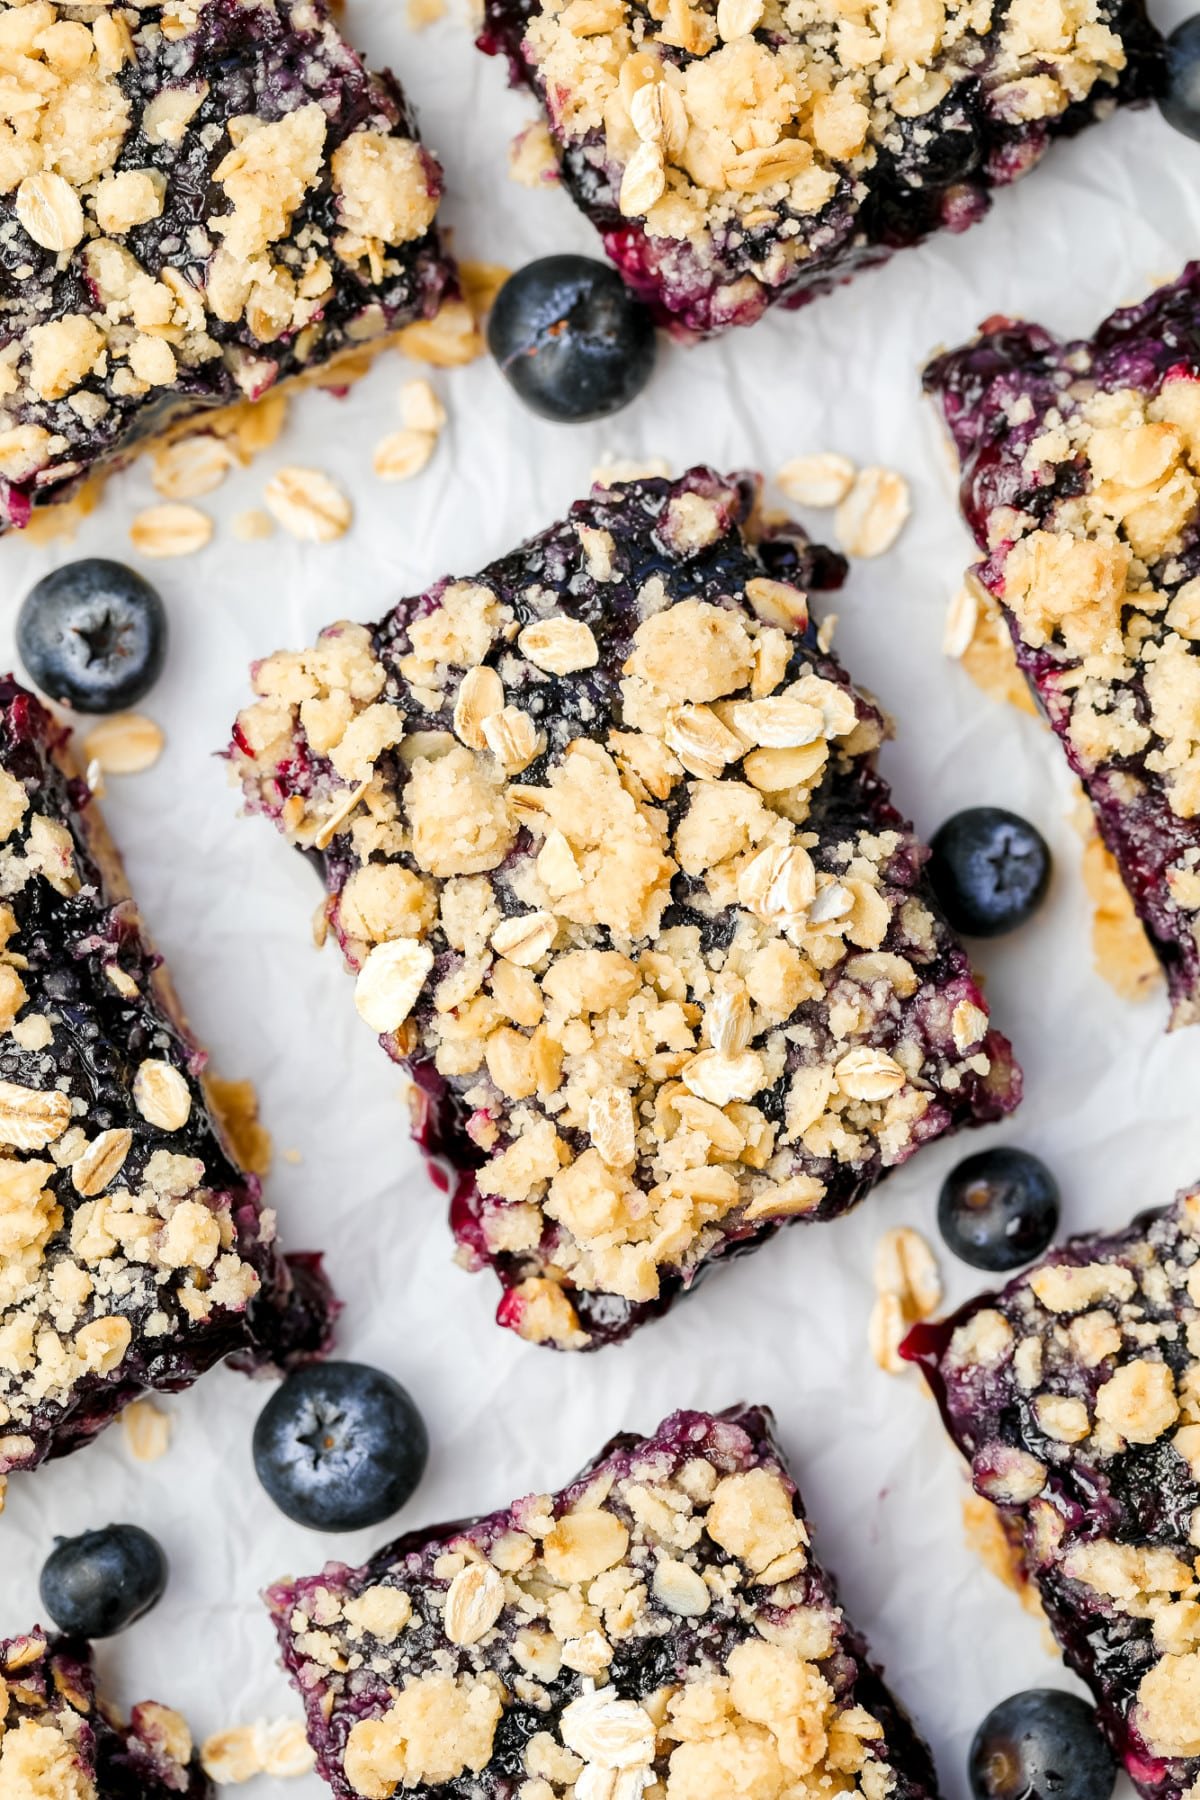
[[1111, 1101]]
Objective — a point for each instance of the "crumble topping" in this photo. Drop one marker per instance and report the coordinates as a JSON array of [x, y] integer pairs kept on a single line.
[[589, 861], [584, 1668], [1076, 1394], [314, 234]]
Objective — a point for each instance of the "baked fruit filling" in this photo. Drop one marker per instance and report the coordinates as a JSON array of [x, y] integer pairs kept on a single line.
[[198, 199], [743, 152], [60, 1741], [606, 847], [659, 1626], [134, 1253], [1075, 1395], [1081, 483]]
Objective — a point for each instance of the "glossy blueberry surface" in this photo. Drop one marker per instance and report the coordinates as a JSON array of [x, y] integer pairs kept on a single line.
[[1042, 1744], [571, 339], [340, 1445], [990, 869], [93, 635], [100, 1582], [1180, 101], [998, 1209]]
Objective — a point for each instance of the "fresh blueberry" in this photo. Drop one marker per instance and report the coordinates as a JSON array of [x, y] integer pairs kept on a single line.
[[1041, 1745], [571, 339], [990, 869], [340, 1445], [93, 635], [998, 1209], [1180, 101], [100, 1582]]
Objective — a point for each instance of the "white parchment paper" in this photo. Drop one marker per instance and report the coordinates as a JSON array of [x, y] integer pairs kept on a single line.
[[1111, 1101]]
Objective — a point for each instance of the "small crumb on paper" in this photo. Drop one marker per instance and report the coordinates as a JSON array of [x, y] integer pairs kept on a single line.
[[1121, 952], [235, 1105], [532, 162]]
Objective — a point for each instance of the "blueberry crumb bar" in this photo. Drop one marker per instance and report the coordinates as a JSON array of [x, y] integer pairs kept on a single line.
[[659, 1627], [198, 199], [735, 154], [60, 1741], [1075, 1395], [1081, 484], [134, 1252], [607, 849]]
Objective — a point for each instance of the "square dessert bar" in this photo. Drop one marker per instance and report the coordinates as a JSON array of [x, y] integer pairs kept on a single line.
[[605, 842], [60, 1741], [1075, 1395], [735, 154], [1081, 484], [134, 1253], [198, 199], [658, 1625]]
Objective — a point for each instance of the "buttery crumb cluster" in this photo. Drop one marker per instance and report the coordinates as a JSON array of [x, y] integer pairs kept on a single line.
[[197, 198], [657, 1628], [59, 1741], [607, 851], [1085, 504], [1076, 1395], [736, 151], [131, 1245]]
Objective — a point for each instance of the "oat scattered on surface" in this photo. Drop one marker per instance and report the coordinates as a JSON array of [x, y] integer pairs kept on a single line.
[[252, 525], [820, 480], [873, 514], [962, 616], [294, 1157], [421, 407], [403, 454], [308, 504], [147, 1430], [276, 1747], [229, 1757], [908, 1288], [192, 467], [123, 744], [425, 12], [532, 162], [172, 529]]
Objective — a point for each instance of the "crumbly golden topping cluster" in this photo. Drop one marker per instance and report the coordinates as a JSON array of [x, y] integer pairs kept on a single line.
[[103, 1227], [101, 111], [730, 117], [47, 1708], [1105, 1358], [533, 1606], [595, 885], [1098, 581]]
